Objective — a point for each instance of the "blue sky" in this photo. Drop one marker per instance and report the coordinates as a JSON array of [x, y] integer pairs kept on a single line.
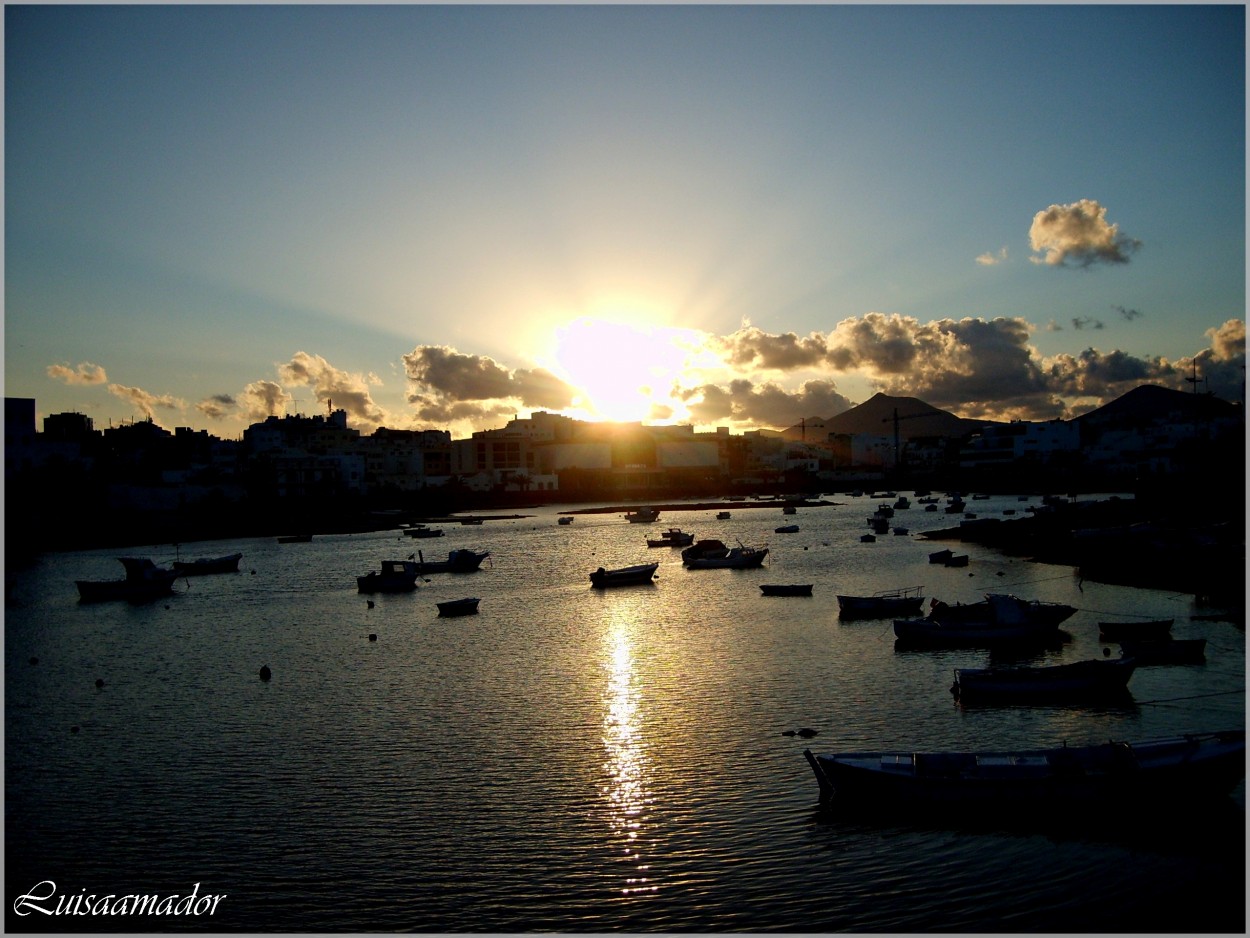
[[721, 215]]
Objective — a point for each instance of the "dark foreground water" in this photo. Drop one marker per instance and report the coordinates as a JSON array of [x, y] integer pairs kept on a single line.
[[571, 759]]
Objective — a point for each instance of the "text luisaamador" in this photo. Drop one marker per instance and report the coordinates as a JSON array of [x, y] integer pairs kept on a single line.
[[43, 898]]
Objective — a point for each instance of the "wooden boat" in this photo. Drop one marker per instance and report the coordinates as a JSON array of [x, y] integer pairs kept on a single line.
[[1080, 680], [144, 581], [624, 576], [734, 558], [1165, 650], [205, 565], [462, 560], [1153, 629], [642, 515], [1155, 772], [673, 537], [458, 607], [786, 589], [998, 620], [787, 529], [895, 602], [295, 539], [396, 576], [420, 530]]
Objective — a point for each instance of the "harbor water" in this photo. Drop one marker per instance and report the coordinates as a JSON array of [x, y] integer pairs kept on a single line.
[[575, 759]]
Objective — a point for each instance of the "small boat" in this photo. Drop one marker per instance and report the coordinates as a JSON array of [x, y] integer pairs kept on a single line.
[[144, 581], [1165, 650], [1080, 680], [735, 558], [396, 576], [624, 576], [566, 519], [1153, 772], [458, 607], [868, 538], [997, 620], [673, 537], [789, 510], [227, 564], [420, 530], [787, 529], [722, 516], [1153, 629], [902, 503], [642, 515], [462, 560], [895, 602], [295, 539], [930, 507], [786, 589], [941, 556], [471, 521], [899, 532], [956, 560], [707, 547]]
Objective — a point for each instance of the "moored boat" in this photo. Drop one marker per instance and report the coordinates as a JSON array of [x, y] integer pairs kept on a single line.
[[420, 530], [144, 581], [396, 576], [642, 515], [734, 558], [786, 589], [565, 519], [458, 607], [1151, 629], [787, 529], [1165, 650], [1078, 680], [205, 565], [673, 537], [624, 576], [461, 560], [1156, 772], [999, 619], [894, 602]]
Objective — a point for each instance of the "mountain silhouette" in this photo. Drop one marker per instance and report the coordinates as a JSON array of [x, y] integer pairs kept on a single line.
[[1147, 403], [876, 416]]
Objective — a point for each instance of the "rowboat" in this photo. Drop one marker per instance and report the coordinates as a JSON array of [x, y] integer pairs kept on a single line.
[[227, 564], [1080, 680], [1155, 771], [1165, 650], [624, 576], [1150, 629], [458, 607], [894, 602], [786, 589]]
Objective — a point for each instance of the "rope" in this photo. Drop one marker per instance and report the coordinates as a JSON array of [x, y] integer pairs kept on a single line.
[[1168, 700]]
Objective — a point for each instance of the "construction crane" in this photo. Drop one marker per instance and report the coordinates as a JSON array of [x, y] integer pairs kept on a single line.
[[896, 418]]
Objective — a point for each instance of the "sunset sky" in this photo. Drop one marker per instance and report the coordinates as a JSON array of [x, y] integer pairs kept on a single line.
[[714, 215]]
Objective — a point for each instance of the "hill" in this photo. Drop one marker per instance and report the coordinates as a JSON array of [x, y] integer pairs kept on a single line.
[[876, 416], [1150, 402]]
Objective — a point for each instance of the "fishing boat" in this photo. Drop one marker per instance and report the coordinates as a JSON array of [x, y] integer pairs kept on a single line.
[[458, 607], [144, 581], [1165, 650], [1154, 772], [642, 515], [1079, 680], [624, 576], [998, 619], [673, 537], [396, 576], [205, 565], [461, 560], [894, 602], [1151, 629], [734, 558], [786, 589]]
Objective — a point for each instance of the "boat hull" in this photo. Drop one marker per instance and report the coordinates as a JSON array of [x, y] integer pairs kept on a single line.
[[458, 607], [786, 589], [1153, 630], [624, 576], [204, 566], [1081, 680]]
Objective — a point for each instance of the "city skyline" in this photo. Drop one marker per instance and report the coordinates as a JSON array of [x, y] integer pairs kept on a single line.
[[439, 217]]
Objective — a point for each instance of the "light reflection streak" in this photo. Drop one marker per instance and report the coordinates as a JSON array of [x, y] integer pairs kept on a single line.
[[626, 762]]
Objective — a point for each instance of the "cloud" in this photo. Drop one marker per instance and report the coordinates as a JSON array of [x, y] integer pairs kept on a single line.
[[750, 346], [1086, 322], [444, 377], [217, 407], [85, 373], [1221, 368], [989, 259], [262, 399], [1080, 233], [768, 404], [146, 402], [336, 388]]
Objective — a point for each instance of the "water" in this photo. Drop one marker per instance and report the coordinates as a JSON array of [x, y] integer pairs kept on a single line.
[[571, 759]]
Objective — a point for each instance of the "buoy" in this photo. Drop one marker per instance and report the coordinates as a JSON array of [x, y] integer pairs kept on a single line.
[[265, 673], [34, 660], [370, 602], [99, 682], [373, 636], [73, 729], [806, 733]]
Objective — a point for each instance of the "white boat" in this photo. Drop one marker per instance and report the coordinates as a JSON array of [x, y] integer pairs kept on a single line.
[[624, 576], [1154, 773], [734, 558]]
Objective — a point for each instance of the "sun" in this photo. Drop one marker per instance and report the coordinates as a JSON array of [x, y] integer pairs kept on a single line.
[[623, 370]]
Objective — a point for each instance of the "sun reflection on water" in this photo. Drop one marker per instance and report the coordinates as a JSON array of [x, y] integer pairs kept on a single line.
[[626, 761]]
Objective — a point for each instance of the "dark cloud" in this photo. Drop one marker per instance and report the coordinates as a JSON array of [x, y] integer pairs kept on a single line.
[[217, 407], [1079, 233], [1129, 314], [751, 347], [1086, 322], [444, 375], [768, 405]]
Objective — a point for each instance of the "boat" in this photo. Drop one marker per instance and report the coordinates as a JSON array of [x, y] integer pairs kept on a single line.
[[998, 619], [458, 607], [295, 539], [1079, 680], [642, 515], [1154, 772], [734, 558], [786, 589], [789, 510], [673, 537], [420, 530], [941, 556], [204, 565], [566, 519], [899, 532], [144, 581], [396, 576], [706, 547], [624, 576], [902, 503], [868, 538], [787, 529], [723, 516], [1153, 629], [1165, 650], [895, 602], [471, 521], [956, 560], [461, 560]]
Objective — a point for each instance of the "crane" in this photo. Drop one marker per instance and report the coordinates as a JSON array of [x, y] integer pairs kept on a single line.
[[896, 418]]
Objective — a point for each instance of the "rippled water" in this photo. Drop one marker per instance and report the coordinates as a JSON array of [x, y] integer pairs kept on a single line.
[[570, 759]]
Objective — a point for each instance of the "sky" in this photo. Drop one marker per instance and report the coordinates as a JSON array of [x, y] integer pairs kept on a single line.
[[722, 216]]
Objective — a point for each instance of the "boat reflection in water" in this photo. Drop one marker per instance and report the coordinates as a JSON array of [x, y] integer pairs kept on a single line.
[[626, 761]]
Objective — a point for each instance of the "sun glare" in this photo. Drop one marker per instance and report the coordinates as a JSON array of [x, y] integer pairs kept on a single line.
[[621, 369]]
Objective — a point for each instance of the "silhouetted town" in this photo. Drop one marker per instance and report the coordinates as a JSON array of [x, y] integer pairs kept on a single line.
[[72, 485]]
